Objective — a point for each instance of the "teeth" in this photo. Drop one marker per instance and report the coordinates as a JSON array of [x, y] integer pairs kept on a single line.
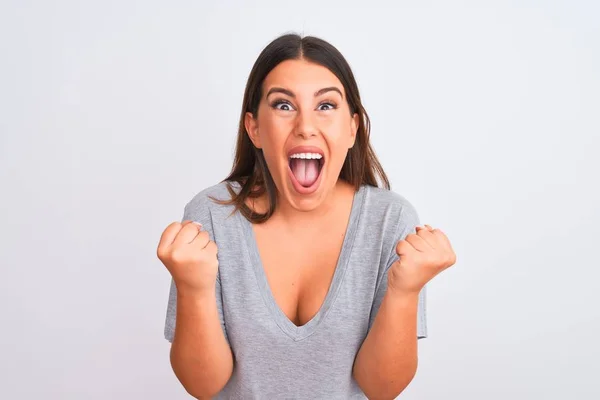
[[309, 156]]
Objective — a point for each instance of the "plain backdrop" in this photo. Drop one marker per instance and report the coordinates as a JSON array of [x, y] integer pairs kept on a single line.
[[113, 114]]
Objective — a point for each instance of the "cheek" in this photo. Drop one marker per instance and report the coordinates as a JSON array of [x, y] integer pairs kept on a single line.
[[272, 131], [338, 134]]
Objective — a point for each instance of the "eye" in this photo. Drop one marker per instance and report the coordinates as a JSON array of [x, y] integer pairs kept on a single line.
[[327, 106], [282, 105]]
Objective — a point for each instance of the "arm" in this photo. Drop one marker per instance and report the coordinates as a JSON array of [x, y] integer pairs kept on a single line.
[[387, 360], [200, 355]]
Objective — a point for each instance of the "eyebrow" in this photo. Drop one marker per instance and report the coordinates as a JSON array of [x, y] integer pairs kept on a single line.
[[292, 95]]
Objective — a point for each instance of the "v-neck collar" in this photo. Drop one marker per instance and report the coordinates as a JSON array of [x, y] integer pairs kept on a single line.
[[294, 331]]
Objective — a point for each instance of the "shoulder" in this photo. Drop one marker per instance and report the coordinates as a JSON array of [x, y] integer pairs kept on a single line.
[[395, 217], [389, 205], [206, 197], [204, 205]]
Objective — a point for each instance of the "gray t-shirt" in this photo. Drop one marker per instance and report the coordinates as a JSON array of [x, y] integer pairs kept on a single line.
[[274, 358]]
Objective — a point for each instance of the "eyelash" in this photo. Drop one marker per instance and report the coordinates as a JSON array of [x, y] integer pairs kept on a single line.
[[277, 103]]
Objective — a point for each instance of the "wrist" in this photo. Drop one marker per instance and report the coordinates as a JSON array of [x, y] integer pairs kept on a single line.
[[402, 296], [195, 293], [195, 303]]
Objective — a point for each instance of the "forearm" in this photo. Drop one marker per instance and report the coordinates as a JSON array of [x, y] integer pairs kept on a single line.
[[387, 360], [200, 355]]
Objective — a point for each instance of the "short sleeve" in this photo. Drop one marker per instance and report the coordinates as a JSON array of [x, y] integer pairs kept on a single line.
[[409, 220], [197, 210]]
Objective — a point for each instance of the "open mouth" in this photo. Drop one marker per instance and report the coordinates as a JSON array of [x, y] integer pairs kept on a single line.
[[306, 169]]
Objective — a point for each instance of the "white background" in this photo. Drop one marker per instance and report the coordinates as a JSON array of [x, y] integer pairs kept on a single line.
[[114, 114]]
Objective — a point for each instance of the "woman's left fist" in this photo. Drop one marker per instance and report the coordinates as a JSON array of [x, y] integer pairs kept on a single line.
[[423, 255]]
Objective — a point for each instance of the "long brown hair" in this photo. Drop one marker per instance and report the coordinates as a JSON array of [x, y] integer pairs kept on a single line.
[[250, 169]]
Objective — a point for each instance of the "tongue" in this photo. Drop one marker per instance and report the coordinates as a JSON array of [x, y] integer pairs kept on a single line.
[[306, 171]]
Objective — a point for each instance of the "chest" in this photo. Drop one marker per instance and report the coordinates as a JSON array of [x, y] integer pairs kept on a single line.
[[299, 268]]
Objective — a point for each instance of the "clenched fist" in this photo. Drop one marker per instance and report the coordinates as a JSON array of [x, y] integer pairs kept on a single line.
[[190, 256], [422, 256]]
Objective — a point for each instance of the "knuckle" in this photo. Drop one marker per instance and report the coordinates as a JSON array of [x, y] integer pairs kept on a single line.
[[452, 259], [188, 227], [174, 225], [211, 248], [203, 235], [178, 256]]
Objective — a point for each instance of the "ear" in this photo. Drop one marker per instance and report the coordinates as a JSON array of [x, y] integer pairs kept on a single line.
[[251, 125], [354, 129]]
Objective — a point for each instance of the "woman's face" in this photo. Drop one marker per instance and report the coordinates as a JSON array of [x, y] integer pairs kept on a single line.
[[305, 128]]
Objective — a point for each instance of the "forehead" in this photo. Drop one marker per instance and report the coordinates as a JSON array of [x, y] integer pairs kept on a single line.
[[301, 76]]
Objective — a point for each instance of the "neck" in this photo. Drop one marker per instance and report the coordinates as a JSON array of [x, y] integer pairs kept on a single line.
[[288, 215]]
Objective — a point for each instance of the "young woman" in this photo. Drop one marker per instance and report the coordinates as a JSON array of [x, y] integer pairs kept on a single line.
[[298, 276]]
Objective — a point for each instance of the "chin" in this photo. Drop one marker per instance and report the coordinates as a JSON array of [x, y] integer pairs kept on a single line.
[[305, 199]]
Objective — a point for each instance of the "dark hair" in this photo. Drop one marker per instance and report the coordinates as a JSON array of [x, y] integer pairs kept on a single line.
[[249, 166]]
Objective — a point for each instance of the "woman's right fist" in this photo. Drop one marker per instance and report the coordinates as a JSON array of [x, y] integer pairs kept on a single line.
[[190, 256]]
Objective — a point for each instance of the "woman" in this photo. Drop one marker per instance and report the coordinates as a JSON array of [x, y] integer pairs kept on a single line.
[[298, 276]]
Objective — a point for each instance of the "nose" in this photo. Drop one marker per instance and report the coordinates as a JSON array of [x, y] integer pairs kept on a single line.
[[306, 125]]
